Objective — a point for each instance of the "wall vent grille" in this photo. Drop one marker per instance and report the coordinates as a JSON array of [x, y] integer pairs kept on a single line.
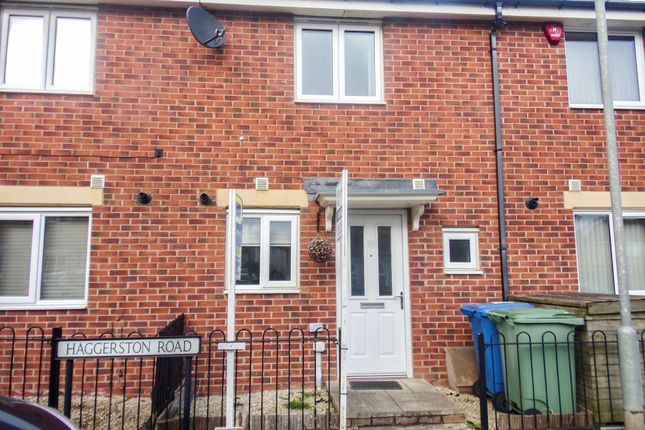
[[262, 184], [575, 185], [97, 181], [418, 184]]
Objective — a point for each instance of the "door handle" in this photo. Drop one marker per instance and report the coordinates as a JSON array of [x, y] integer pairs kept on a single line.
[[400, 297]]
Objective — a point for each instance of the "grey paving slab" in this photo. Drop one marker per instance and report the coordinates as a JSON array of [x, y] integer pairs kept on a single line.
[[416, 404], [357, 407], [417, 399], [424, 427], [417, 385], [413, 405], [381, 404]]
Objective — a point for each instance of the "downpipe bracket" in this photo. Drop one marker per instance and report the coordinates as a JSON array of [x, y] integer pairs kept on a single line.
[[498, 22]]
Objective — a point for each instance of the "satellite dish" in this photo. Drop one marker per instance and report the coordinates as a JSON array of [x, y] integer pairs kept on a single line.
[[206, 29]]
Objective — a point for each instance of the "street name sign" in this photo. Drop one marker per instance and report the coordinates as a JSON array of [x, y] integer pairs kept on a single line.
[[185, 346]]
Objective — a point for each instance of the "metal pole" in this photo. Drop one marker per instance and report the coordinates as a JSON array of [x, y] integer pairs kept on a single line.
[[230, 323], [342, 238], [483, 398], [189, 388], [69, 374], [630, 374]]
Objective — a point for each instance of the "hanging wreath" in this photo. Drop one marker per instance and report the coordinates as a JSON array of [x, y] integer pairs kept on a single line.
[[319, 250]]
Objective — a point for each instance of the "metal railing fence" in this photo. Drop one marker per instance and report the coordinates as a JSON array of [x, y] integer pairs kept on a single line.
[[283, 380], [551, 381]]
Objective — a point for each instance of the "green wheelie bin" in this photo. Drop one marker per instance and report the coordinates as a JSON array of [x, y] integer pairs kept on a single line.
[[538, 356]]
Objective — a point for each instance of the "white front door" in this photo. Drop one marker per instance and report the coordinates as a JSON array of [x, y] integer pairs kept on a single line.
[[377, 335]]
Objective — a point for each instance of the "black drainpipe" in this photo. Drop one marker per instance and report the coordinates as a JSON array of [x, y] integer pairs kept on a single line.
[[499, 158]]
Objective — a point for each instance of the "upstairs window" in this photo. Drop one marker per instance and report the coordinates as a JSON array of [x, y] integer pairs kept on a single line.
[[44, 259], [625, 65], [269, 251], [339, 63], [47, 50]]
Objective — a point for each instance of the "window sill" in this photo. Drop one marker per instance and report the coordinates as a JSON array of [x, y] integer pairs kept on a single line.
[[462, 272], [45, 307], [41, 91], [341, 102], [640, 106], [265, 291]]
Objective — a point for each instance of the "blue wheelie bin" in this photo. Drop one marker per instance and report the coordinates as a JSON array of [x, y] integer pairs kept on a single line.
[[480, 323]]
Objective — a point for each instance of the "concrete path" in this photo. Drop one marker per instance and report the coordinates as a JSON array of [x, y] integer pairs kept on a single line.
[[416, 406]]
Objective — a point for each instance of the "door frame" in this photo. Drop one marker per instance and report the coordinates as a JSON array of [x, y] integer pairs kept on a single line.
[[407, 317]]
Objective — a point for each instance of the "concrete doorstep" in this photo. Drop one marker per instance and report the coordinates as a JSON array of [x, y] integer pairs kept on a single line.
[[416, 405]]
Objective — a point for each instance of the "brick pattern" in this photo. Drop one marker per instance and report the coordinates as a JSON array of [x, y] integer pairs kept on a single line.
[[406, 421], [156, 87]]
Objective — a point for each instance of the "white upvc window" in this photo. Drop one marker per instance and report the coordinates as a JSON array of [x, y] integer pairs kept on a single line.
[[269, 251], [461, 251], [47, 50], [626, 67], [44, 258], [596, 251], [339, 63]]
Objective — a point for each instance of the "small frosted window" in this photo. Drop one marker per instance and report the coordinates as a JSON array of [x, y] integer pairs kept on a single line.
[[459, 250]]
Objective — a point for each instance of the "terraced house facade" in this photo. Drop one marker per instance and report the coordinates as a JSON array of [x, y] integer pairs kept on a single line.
[[115, 120]]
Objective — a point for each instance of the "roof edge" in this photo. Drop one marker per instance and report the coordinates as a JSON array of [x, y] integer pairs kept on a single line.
[[520, 10]]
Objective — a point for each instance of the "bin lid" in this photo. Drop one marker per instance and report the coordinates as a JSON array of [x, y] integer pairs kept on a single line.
[[469, 310], [535, 316], [482, 310]]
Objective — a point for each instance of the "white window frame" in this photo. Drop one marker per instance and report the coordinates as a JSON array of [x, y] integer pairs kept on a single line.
[[37, 216], [640, 70], [470, 234], [626, 214], [266, 286], [50, 16], [338, 66]]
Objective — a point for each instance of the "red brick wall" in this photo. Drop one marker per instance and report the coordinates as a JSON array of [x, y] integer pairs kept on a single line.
[[546, 144], [156, 87]]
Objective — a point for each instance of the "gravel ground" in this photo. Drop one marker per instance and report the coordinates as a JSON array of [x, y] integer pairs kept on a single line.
[[106, 418], [110, 416], [470, 404], [114, 417]]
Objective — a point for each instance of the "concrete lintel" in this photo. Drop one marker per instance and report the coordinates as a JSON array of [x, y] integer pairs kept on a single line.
[[601, 200], [17, 195], [266, 199]]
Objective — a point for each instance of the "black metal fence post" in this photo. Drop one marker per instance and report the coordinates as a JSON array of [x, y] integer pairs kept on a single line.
[[188, 391], [54, 369], [483, 399], [69, 373]]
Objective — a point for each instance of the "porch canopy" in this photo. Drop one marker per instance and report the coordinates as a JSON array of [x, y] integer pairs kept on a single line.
[[415, 194]]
